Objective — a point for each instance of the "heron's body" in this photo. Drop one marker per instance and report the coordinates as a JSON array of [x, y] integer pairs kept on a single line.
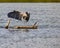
[[19, 15], [22, 16]]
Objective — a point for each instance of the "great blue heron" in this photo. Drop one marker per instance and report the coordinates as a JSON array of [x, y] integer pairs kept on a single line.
[[19, 16]]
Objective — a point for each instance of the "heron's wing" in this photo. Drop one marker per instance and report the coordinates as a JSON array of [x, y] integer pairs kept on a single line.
[[14, 15]]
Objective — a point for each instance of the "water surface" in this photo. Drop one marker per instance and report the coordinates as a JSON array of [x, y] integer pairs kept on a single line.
[[47, 35]]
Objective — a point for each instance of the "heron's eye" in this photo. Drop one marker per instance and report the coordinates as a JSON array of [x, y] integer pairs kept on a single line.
[[24, 17]]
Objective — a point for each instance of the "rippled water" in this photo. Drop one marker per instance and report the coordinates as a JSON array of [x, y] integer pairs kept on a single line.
[[47, 35]]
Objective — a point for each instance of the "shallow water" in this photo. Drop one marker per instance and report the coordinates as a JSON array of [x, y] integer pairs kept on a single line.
[[47, 35]]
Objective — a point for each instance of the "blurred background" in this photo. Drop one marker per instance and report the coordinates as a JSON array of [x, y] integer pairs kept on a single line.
[[29, 0]]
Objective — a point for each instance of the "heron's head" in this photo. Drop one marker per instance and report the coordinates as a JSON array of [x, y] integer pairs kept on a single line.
[[25, 16]]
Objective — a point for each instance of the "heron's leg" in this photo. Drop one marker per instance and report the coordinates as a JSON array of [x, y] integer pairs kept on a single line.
[[7, 25]]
